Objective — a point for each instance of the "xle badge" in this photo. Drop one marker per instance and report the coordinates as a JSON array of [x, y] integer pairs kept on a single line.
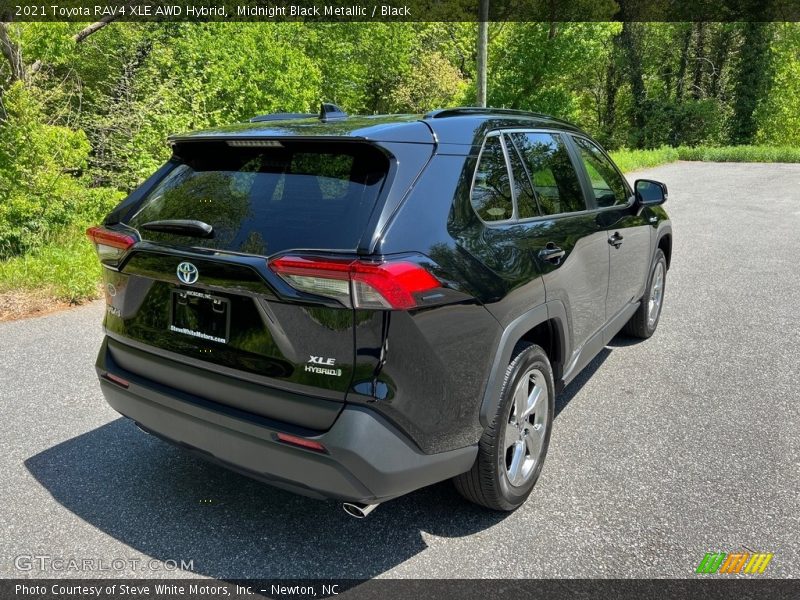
[[322, 366]]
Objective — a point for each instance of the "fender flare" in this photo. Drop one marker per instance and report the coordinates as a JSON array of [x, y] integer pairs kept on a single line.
[[512, 333], [664, 229]]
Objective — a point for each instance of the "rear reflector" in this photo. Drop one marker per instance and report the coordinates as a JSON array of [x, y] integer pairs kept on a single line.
[[118, 380], [388, 285], [301, 442]]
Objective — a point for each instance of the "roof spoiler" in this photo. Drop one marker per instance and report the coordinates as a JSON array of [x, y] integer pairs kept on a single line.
[[327, 112]]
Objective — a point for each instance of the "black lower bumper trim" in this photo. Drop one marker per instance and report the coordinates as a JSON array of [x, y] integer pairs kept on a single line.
[[367, 459]]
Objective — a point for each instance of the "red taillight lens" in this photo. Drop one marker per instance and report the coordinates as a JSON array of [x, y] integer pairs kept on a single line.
[[109, 244], [389, 285], [100, 235], [301, 442]]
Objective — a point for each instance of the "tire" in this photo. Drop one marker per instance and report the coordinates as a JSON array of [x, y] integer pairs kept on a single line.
[[642, 324], [493, 482]]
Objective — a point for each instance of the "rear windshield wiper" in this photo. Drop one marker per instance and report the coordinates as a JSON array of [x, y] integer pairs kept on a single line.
[[181, 227]]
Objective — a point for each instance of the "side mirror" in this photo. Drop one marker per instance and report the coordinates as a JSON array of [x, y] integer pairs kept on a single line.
[[649, 192]]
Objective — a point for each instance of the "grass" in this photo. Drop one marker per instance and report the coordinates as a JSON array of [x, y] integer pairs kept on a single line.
[[632, 160], [64, 269], [767, 154]]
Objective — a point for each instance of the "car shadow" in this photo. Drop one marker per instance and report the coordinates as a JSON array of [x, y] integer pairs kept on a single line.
[[576, 385], [170, 505], [623, 341]]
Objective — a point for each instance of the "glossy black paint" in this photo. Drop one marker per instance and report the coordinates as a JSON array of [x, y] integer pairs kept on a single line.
[[270, 338], [564, 281]]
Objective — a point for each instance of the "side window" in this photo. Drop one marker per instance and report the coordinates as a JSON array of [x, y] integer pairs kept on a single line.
[[607, 184], [491, 192], [552, 174], [527, 206]]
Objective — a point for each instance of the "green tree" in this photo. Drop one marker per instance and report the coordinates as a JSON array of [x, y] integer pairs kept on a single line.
[[752, 80], [549, 68], [41, 189], [778, 116]]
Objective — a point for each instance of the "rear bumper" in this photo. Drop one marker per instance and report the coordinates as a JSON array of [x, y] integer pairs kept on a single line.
[[367, 459]]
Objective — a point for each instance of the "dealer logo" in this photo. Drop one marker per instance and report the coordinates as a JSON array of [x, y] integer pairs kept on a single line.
[[749, 563]]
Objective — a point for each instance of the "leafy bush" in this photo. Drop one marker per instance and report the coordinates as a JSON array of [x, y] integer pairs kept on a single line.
[[41, 188]]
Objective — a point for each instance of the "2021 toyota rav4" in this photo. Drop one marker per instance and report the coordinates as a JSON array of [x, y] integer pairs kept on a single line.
[[357, 307]]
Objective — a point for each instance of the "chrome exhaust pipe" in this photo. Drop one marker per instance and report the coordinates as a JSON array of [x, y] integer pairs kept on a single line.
[[358, 510], [140, 428]]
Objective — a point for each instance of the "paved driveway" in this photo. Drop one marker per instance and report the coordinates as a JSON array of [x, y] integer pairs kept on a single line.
[[661, 451]]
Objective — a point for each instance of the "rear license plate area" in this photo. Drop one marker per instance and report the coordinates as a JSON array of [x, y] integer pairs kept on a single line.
[[200, 315]]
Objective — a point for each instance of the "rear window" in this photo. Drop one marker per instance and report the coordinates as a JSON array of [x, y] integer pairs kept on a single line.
[[262, 200]]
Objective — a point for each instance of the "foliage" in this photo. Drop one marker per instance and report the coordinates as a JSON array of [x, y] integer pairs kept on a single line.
[[778, 115], [431, 81], [543, 67], [87, 118], [752, 80], [65, 268], [40, 165]]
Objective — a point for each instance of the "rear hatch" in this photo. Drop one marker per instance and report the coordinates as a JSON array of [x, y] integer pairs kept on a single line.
[[193, 302]]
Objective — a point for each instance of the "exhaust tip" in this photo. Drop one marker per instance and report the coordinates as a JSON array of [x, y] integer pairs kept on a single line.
[[358, 510], [140, 428]]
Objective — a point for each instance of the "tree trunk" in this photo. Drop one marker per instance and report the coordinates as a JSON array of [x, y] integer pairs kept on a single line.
[[699, 60], [719, 58], [634, 69], [682, 64], [608, 121], [12, 53], [752, 80]]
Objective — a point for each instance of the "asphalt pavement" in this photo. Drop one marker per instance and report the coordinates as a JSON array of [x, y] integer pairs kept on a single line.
[[661, 451]]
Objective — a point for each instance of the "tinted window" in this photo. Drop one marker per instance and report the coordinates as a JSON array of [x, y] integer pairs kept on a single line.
[[267, 199], [607, 184], [526, 199], [551, 172], [491, 192]]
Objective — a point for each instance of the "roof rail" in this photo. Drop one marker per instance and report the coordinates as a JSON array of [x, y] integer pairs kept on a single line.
[[477, 110], [327, 112]]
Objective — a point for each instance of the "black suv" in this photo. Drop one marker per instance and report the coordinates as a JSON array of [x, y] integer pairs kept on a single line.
[[357, 307]]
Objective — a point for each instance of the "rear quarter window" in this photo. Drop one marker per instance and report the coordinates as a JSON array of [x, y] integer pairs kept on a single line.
[[491, 190]]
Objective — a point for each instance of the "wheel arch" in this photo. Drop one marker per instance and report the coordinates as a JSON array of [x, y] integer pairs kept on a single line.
[[665, 245], [546, 326]]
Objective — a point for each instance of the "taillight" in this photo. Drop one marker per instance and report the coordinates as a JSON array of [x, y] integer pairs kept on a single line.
[[356, 283], [109, 244]]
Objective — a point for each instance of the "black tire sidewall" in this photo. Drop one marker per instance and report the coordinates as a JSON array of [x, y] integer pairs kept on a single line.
[[532, 357], [658, 258]]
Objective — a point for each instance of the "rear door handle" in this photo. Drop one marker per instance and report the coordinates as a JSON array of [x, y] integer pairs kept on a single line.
[[616, 240], [551, 253]]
